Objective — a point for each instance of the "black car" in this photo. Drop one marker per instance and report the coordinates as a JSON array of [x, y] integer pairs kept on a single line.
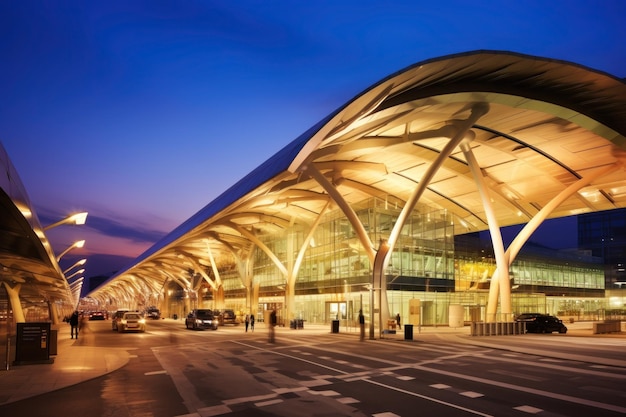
[[227, 317], [201, 319], [542, 323]]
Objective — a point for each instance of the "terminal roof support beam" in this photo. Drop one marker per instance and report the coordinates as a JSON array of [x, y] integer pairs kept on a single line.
[[312, 171], [478, 110], [502, 284], [530, 227], [245, 232]]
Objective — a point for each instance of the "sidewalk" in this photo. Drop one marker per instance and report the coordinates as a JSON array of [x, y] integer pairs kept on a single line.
[[74, 363], [78, 361]]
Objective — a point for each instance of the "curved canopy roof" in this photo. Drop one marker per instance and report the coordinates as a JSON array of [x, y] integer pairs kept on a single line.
[[547, 124], [26, 258]]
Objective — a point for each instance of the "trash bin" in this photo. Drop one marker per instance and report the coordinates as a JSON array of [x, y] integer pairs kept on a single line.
[[335, 326], [408, 332], [54, 336]]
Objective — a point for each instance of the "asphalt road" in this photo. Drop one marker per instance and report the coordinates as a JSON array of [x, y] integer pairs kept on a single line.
[[179, 372]]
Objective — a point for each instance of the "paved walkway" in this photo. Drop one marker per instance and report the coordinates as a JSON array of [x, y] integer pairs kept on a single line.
[[77, 361]]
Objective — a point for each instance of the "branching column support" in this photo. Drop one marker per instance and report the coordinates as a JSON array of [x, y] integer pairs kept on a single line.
[[503, 281], [290, 289], [356, 224], [219, 294], [530, 227], [478, 110], [16, 304]]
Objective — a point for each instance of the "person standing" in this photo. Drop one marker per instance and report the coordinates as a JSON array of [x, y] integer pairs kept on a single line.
[[398, 321], [74, 321], [252, 322], [247, 321], [272, 327], [362, 324]]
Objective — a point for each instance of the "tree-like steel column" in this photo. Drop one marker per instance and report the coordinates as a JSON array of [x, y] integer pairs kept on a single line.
[[503, 283]]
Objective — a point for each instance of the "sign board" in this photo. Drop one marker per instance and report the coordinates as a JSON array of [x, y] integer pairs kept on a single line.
[[32, 343]]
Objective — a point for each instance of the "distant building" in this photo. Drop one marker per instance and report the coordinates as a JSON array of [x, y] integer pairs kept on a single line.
[[604, 235]]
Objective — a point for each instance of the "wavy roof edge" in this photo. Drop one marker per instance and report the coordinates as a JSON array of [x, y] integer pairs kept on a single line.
[[476, 65]]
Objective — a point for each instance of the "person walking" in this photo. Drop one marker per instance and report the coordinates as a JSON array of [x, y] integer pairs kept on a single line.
[[74, 321], [398, 321], [362, 324], [252, 322], [247, 321], [272, 336]]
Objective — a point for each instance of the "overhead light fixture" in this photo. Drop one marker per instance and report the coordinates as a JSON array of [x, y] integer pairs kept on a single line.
[[77, 244], [77, 218]]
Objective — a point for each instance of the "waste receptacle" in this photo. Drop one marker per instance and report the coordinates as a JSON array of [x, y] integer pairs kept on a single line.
[[408, 332], [54, 336], [335, 326]]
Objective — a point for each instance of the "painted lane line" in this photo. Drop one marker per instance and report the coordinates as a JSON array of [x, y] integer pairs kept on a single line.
[[534, 391], [528, 409], [425, 397], [163, 372], [266, 403], [472, 394]]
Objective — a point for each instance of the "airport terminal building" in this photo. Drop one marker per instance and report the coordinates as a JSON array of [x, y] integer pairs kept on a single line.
[[378, 205]]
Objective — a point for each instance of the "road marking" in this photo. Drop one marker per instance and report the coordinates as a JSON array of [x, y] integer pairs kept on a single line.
[[528, 409], [471, 394], [348, 400], [266, 403], [425, 397], [534, 391], [163, 372]]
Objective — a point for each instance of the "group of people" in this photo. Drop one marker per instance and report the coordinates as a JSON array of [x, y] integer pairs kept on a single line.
[[249, 321]]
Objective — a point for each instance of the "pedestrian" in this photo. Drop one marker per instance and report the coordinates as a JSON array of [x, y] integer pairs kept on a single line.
[[74, 321], [398, 321], [272, 330], [362, 324], [247, 321], [252, 322]]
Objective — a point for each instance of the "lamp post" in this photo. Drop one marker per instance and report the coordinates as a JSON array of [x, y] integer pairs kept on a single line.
[[77, 244], [78, 218], [80, 271], [79, 263]]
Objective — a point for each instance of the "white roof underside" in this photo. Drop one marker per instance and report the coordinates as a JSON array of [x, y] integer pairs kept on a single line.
[[549, 124]]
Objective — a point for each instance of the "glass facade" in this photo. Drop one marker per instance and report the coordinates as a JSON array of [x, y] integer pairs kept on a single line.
[[428, 263]]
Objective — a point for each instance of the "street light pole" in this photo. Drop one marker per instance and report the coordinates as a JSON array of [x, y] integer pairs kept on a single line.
[[78, 218], [79, 263], [77, 244]]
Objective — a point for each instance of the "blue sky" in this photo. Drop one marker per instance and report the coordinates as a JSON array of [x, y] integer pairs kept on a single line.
[[142, 112]]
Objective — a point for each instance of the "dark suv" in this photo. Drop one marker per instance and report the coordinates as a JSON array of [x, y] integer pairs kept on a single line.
[[201, 318], [541, 323], [227, 317]]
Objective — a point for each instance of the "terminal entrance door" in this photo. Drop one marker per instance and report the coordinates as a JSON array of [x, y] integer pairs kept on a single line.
[[336, 310]]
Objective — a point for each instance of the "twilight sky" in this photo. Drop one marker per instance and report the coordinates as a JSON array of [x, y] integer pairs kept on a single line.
[[142, 112]]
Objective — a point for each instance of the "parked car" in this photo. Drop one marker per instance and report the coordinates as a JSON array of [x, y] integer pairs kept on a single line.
[[131, 321], [97, 315], [201, 319], [542, 323], [153, 313], [227, 317], [116, 317]]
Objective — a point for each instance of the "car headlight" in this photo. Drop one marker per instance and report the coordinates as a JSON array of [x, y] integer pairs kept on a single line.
[[142, 321]]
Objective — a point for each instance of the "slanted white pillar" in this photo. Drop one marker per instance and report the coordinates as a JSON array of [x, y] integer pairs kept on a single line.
[[503, 282], [16, 304]]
